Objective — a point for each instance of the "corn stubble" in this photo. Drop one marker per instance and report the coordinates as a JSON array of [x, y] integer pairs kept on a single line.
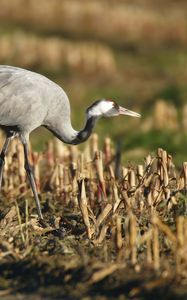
[[136, 220]]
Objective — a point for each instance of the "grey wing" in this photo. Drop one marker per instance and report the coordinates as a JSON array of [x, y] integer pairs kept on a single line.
[[21, 94], [7, 74], [28, 99]]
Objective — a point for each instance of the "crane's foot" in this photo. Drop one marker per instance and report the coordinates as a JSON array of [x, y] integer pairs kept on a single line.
[[43, 223]]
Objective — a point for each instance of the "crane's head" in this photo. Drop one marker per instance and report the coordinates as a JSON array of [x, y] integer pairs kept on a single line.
[[108, 108], [100, 108]]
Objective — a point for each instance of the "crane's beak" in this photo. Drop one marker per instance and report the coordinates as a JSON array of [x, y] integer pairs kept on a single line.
[[124, 111]]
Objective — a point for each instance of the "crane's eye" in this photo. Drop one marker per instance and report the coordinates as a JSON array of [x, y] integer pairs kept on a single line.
[[115, 105]]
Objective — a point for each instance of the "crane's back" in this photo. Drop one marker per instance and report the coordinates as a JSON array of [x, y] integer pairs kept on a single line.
[[27, 99]]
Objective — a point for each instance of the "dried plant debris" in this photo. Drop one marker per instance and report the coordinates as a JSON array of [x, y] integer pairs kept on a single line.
[[103, 235]]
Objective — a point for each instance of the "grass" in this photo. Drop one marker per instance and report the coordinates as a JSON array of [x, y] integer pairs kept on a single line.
[[174, 142]]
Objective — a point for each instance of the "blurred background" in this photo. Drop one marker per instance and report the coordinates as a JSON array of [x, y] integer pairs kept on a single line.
[[134, 52]]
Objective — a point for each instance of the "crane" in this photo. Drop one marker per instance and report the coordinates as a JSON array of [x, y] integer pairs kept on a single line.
[[29, 100]]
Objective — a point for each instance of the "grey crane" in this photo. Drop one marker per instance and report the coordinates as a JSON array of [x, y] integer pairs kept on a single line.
[[29, 100]]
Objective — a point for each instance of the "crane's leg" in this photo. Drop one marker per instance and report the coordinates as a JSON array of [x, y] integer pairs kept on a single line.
[[31, 177], [3, 154]]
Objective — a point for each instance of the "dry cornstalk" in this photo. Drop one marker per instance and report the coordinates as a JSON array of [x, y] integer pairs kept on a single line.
[[126, 199], [125, 172], [185, 229], [171, 167], [61, 176], [13, 146], [180, 230], [99, 164], [146, 236], [74, 184], [167, 193], [156, 190], [139, 198], [140, 173], [5, 174], [53, 176], [104, 272], [185, 175], [90, 171], [73, 168], [30, 153], [119, 240], [102, 234], [58, 149], [105, 212], [84, 209], [99, 167], [148, 180], [180, 239], [164, 168], [164, 228], [50, 154], [107, 150], [111, 172], [66, 176], [10, 188], [94, 144], [87, 154], [55, 179], [9, 159], [159, 162], [26, 222], [158, 199], [149, 167], [92, 191], [125, 182], [37, 227], [171, 203], [67, 182], [132, 238], [148, 251], [148, 160], [156, 255], [36, 158], [132, 179], [80, 167], [150, 201], [8, 218], [74, 153], [66, 155], [20, 223], [21, 160], [117, 200]]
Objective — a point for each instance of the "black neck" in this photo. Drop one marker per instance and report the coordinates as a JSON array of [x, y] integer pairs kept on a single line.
[[84, 134]]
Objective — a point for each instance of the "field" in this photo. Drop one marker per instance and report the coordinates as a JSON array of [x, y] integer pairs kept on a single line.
[[115, 208], [109, 232]]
